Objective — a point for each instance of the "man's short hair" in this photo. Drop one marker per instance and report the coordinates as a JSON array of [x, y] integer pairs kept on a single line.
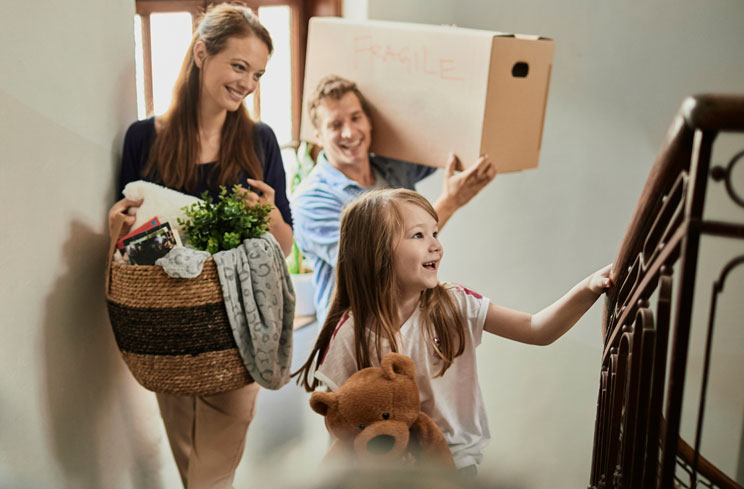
[[334, 87]]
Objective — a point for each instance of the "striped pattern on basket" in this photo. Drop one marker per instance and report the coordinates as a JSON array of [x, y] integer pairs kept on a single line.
[[173, 333]]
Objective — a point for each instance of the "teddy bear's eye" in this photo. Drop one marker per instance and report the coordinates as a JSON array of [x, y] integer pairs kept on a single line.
[[385, 415], [361, 426]]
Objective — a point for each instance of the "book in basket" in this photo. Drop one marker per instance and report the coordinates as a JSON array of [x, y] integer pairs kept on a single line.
[[146, 247]]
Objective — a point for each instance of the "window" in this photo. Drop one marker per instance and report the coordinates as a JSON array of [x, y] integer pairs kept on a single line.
[[163, 31]]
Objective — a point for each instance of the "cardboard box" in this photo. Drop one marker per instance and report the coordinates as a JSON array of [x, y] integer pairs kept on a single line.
[[436, 89]]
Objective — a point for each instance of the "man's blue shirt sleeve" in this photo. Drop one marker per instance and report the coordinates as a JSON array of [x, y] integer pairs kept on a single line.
[[317, 216]]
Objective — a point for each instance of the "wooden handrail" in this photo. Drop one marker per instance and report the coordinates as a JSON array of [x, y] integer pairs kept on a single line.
[[714, 112], [699, 112], [645, 354], [705, 467]]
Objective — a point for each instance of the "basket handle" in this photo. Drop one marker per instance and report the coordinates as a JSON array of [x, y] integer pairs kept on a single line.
[[116, 228]]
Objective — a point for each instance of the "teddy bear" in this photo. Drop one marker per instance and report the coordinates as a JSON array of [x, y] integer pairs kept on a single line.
[[375, 417]]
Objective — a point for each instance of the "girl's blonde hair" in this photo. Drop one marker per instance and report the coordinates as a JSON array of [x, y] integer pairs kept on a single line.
[[174, 154], [371, 228]]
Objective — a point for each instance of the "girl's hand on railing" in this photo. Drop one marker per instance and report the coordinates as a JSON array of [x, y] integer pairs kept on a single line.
[[600, 280]]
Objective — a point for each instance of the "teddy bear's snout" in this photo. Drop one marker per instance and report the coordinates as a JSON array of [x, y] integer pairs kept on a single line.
[[381, 444], [382, 440]]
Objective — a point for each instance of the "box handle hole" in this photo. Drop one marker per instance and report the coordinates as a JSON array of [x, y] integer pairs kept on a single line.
[[520, 69]]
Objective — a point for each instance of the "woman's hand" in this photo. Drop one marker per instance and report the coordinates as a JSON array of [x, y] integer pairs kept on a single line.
[[122, 207], [600, 281], [280, 229], [252, 198]]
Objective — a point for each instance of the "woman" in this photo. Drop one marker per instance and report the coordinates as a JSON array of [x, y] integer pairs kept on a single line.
[[204, 140]]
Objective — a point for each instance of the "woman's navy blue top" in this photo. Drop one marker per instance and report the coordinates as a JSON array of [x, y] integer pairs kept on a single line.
[[141, 135]]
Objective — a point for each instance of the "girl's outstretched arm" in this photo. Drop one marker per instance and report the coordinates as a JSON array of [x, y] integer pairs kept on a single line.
[[552, 322]]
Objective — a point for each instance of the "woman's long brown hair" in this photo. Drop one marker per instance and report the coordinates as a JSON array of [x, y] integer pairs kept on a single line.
[[371, 228], [174, 154]]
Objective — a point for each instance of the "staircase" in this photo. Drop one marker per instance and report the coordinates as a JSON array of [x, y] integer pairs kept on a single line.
[[649, 312]]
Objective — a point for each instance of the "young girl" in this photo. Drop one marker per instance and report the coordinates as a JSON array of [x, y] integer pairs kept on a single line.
[[204, 140], [388, 298]]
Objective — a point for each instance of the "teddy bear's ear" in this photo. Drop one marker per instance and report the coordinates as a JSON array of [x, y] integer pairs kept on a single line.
[[321, 402], [396, 364]]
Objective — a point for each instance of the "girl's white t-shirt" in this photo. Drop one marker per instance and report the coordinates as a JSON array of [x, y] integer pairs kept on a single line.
[[453, 401]]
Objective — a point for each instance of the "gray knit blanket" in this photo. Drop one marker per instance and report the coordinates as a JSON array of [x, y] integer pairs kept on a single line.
[[260, 304]]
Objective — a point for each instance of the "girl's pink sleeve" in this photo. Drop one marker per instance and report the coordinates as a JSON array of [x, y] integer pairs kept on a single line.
[[473, 307]]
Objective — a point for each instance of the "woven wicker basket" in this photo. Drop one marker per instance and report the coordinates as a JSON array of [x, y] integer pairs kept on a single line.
[[173, 333]]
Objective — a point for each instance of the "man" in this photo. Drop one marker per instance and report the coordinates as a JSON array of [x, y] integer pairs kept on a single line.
[[345, 169]]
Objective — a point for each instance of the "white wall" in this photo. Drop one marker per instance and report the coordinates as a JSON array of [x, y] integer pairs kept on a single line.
[[620, 72], [70, 415], [355, 9]]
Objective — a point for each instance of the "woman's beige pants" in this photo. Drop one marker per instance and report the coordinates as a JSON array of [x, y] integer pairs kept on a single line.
[[207, 434]]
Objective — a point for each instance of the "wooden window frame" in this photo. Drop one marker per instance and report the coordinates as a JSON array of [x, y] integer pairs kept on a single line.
[[300, 13]]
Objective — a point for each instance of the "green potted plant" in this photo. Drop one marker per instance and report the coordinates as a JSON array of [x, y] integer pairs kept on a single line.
[[223, 225], [299, 162], [302, 281]]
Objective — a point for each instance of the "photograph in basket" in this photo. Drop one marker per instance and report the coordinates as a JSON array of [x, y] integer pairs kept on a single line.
[[145, 248], [146, 226]]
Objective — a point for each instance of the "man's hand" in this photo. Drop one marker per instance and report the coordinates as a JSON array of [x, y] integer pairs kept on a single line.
[[459, 188], [463, 186]]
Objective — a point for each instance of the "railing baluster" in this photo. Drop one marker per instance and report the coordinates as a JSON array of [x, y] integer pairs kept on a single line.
[[637, 442]]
